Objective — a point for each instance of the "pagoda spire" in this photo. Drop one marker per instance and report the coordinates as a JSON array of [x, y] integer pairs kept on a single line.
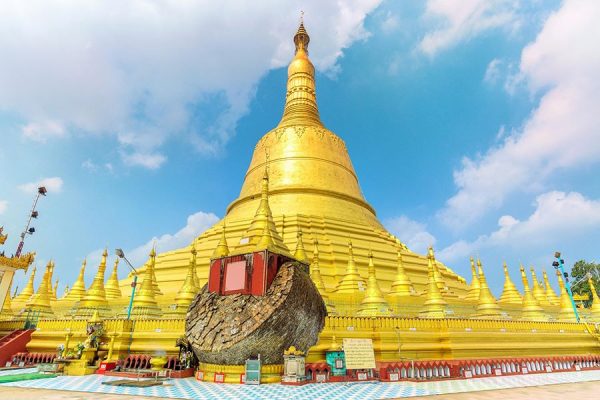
[[222, 250], [6, 309], [299, 253], [373, 304], [473, 293], [50, 276], [351, 281], [531, 307], [538, 292], [402, 286], [262, 233], [437, 275], [188, 290], [113, 291], [95, 296], [27, 291], [435, 306], [550, 295], [78, 290], [144, 303], [510, 293], [566, 313], [157, 291], [40, 301], [66, 292], [55, 290], [487, 305], [301, 99], [595, 308], [315, 272]]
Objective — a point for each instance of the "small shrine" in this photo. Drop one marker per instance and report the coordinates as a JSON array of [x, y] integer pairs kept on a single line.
[[293, 367]]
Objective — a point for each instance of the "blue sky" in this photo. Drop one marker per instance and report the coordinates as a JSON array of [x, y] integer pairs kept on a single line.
[[472, 125]]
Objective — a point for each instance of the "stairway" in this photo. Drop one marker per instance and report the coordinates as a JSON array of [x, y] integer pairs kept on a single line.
[[14, 342]]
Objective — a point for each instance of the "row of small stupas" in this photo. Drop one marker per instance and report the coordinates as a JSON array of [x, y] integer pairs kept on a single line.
[[352, 295]]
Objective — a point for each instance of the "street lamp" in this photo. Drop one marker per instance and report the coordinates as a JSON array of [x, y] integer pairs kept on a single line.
[[121, 254]]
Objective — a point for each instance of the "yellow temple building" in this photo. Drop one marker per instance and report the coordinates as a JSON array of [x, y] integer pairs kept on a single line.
[[412, 306]]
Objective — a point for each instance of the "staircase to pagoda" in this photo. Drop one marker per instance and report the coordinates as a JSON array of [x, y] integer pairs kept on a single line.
[[13, 343]]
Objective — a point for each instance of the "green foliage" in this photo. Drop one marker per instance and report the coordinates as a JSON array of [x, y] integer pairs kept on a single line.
[[579, 271]]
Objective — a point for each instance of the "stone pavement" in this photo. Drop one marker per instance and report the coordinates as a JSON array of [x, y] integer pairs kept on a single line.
[[192, 389]]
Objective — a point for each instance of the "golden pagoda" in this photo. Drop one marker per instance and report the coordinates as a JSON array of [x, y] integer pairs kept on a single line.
[[473, 293], [531, 307], [112, 289], [566, 313], [315, 272], [510, 293], [299, 253], [27, 291], [402, 286], [351, 282], [313, 188], [435, 306], [144, 303], [486, 305], [6, 311], [550, 295], [222, 250], [95, 297], [78, 290], [538, 292], [373, 304], [595, 308], [188, 290], [40, 301]]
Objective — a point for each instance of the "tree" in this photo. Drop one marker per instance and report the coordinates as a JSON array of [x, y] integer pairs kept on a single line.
[[580, 270]]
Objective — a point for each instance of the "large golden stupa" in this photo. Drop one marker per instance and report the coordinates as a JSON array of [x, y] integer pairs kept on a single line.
[[313, 188]]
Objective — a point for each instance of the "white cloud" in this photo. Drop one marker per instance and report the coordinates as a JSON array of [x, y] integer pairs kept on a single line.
[[389, 23], [558, 216], [138, 70], [196, 224], [493, 71], [41, 131], [150, 161], [412, 233], [562, 133], [458, 20], [53, 185], [3, 206]]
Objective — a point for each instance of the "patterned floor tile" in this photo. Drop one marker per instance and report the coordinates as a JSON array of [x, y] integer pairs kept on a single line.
[[191, 389]]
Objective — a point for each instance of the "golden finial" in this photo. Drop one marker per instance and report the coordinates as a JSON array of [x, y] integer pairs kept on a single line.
[[537, 290]]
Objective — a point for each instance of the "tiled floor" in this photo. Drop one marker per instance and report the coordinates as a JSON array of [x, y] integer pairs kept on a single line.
[[192, 389]]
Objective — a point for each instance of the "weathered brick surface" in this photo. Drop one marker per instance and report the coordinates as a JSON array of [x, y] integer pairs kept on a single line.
[[230, 329]]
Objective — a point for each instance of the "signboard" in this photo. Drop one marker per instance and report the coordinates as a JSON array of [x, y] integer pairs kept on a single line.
[[394, 377], [252, 372], [359, 354]]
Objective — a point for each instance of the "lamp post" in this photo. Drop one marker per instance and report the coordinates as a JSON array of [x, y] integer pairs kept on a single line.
[[33, 214], [559, 264], [121, 254]]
